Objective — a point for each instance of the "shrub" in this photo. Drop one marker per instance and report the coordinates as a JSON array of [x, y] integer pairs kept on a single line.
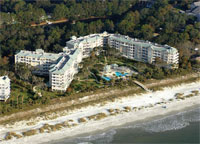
[[182, 98], [91, 117], [53, 128], [16, 135], [196, 92], [46, 126], [151, 105], [135, 108], [113, 114], [12, 134], [110, 110], [189, 95], [8, 136], [74, 124], [58, 126], [41, 130], [81, 120], [127, 108], [30, 132], [66, 124], [178, 94], [117, 111], [31, 123], [100, 116]]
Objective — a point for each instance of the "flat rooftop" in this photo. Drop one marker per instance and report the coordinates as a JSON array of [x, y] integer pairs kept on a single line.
[[64, 62], [38, 54], [88, 38], [142, 43], [4, 79]]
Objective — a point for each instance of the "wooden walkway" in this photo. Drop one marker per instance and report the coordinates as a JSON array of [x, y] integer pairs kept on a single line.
[[142, 86]]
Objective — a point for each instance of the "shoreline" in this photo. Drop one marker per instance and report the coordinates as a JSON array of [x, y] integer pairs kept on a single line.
[[158, 110], [156, 117]]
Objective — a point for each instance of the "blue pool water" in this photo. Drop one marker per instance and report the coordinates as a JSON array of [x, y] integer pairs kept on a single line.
[[106, 78], [118, 74]]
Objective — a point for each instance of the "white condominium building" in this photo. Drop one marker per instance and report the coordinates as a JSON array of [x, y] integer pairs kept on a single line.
[[38, 59], [87, 43], [63, 66], [60, 67], [4, 88], [62, 73], [143, 50]]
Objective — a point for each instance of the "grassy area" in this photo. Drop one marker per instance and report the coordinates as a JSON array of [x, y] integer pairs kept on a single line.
[[124, 92]]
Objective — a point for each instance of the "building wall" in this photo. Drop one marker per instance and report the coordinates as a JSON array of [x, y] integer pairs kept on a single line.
[[198, 17], [142, 53], [4, 88], [88, 43], [60, 77], [39, 61]]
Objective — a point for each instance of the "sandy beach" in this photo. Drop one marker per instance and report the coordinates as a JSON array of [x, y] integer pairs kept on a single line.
[[142, 106]]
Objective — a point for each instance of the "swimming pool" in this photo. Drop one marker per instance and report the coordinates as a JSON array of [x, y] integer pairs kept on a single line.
[[106, 78], [118, 74]]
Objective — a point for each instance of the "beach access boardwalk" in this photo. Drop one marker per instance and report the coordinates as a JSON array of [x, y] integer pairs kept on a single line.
[[142, 86]]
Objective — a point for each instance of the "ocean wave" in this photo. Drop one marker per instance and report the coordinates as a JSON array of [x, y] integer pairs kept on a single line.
[[85, 143], [167, 123], [172, 122], [105, 137], [193, 115]]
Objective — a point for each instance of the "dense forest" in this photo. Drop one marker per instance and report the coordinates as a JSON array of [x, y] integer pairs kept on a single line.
[[160, 21]]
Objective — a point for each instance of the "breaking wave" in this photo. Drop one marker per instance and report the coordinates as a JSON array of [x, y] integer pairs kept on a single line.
[[172, 122], [105, 137]]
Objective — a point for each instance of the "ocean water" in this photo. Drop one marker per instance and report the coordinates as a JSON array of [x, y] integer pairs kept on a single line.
[[182, 127]]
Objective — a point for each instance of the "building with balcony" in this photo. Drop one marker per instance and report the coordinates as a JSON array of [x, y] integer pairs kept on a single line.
[[194, 10], [4, 88], [62, 67], [62, 72], [38, 59], [143, 51], [87, 43]]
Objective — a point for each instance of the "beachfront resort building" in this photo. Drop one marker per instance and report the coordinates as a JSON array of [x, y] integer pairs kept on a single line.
[[4, 88], [195, 10], [143, 51], [38, 59], [62, 67], [62, 72], [87, 43]]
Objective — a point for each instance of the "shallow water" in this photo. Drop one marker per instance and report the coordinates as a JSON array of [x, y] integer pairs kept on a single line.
[[183, 127]]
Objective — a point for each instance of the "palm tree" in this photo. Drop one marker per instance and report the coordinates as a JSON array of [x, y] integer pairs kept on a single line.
[[22, 99], [17, 101]]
